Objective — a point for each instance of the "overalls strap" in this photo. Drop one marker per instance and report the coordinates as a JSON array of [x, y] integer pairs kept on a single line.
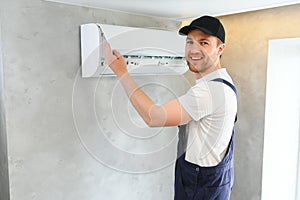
[[230, 85]]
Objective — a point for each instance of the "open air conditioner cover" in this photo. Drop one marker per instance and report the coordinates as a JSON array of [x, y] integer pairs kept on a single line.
[[147, 51]]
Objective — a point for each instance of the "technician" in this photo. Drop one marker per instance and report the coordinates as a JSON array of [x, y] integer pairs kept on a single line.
[[205, 114]]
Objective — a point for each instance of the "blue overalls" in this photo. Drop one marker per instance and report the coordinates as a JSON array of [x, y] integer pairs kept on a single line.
[[193, 182]]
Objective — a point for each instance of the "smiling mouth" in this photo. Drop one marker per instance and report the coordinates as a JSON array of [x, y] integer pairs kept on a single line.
[[196, 58]]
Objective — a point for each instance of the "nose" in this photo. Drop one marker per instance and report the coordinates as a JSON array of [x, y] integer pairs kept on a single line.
[[195, 48]]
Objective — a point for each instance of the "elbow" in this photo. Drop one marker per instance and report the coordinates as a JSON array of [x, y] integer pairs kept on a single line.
[[152, 124], [155, 117]]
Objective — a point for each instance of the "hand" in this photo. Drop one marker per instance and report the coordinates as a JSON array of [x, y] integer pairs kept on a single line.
[[115, 61]]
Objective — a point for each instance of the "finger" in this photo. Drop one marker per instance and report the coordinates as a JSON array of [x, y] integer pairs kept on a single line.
[[117, 54], [109, 57], [107, 49]]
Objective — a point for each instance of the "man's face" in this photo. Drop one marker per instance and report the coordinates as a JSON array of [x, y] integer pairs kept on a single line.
[[202, 51]]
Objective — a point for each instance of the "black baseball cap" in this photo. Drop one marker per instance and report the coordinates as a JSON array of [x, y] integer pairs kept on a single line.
[[208, 24]]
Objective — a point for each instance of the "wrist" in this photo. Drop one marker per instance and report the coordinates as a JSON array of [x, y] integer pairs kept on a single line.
[[122, 73]]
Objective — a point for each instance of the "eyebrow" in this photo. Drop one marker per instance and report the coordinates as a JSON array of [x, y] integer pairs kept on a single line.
[[202, 39]]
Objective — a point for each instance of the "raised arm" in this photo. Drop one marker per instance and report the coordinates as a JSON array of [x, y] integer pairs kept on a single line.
[[169, 114]]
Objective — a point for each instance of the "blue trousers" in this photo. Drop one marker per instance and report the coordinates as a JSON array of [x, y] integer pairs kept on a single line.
[[196, 183]]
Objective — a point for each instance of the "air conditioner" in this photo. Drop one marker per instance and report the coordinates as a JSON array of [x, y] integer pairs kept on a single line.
[[147, 51]]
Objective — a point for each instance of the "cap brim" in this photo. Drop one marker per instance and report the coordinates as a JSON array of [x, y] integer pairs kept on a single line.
[[186, 29]]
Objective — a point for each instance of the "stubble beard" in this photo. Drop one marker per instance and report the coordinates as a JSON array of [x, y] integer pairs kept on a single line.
[[196, 69]]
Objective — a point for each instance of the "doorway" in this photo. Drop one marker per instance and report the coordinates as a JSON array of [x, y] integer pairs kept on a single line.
[[281, 169]]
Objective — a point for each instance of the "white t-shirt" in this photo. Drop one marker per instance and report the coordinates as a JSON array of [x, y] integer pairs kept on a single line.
[[213, 107]]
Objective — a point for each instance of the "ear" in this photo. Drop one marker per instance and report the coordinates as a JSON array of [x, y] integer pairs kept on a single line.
[[221, 48]]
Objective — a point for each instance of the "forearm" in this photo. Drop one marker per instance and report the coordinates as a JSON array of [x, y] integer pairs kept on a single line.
[[152, 114]]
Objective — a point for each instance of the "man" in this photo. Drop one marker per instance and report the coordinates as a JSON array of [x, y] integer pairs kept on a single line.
[[204, 169]]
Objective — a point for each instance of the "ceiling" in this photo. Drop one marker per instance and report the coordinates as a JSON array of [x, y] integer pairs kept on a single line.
[[180, 9]]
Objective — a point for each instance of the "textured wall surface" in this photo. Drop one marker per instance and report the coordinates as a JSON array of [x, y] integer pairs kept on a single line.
[[246, 59], [4, 182], [57, 147]]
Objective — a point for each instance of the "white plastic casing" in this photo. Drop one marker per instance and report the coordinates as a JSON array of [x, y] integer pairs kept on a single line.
[[147, 51]]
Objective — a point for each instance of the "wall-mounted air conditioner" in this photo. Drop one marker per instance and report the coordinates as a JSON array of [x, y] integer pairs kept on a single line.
[[147, 51]]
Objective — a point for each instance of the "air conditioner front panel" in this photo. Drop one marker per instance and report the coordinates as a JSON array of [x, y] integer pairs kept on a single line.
[[147, 51]]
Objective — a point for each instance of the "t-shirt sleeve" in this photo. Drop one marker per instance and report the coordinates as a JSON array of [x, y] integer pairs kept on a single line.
[[197, 102]]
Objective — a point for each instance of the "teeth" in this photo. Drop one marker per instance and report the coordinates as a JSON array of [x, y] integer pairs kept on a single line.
[[195, 58]]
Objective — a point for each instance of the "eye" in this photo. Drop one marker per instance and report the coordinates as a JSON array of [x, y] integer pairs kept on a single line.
[[203, 43], [189, 42]]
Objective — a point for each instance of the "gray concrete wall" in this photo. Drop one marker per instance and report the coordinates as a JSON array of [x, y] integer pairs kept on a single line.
[[246, 58], [4, 181], [52, 151]]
